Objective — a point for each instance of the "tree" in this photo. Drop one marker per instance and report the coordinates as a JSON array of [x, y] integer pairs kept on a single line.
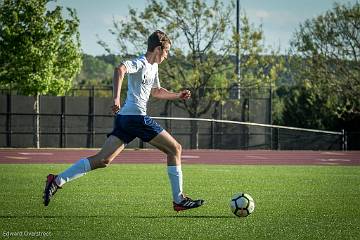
[[329, 48], [204, 41], [307, 109], [94, 72], [39, 49]]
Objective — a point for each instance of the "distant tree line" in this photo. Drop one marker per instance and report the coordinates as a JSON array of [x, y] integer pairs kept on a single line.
[[316, 85]]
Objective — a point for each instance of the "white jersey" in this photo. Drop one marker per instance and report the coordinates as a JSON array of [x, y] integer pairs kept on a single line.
[[142, 77]]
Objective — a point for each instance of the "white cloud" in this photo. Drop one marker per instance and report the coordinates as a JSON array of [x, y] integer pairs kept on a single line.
[[262, 14], [276, 17]]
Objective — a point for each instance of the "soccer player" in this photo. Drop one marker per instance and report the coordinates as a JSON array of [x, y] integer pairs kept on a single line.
[[131, 121]]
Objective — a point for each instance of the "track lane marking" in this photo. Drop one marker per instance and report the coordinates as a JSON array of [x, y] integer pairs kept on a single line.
[[20, 158], [189, 156], [256, 157], [36, 154], [334, 160]]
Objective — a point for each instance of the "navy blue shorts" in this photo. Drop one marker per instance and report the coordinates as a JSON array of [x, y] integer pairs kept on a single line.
[[128, 127]]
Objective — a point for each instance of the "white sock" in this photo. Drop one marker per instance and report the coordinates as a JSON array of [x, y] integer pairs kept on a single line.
[[78, 169], [176, 180]]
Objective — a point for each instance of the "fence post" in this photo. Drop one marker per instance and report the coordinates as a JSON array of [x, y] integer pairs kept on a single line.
[[344, 140], [212, 135], [271, 139], [270, 115], [8, 120], [278, 147], [275, 144], [62, 124], [36, 121], [91, 120]]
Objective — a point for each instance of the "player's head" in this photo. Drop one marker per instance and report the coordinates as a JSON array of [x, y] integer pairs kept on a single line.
[[159, 44]]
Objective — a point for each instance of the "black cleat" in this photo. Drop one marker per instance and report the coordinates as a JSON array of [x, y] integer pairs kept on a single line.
[[50, 188], [187, 203]]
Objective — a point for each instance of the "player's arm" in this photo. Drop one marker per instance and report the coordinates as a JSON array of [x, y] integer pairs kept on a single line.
[[119, 73], [163, 93]]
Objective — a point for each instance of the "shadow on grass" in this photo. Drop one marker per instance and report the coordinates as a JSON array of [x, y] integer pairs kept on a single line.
[[182, 216], [114, 216]]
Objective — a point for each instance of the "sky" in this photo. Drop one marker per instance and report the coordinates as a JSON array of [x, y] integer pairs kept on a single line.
[[279, 18]]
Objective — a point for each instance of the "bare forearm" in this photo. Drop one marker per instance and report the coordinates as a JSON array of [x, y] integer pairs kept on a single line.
[[163, 93]]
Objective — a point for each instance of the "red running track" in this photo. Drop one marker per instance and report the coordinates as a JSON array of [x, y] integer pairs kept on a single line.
[[248, 157]]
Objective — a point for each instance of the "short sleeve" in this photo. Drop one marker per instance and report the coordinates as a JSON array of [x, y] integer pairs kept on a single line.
[[132, 66]]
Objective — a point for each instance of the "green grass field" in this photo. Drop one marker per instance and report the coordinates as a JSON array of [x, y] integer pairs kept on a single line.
[[133, 202]]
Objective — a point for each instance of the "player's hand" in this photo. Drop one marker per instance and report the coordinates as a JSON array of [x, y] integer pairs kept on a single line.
[[184, 94], [116, 107]]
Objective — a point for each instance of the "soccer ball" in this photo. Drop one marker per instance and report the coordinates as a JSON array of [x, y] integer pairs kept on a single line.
[[242, 204]]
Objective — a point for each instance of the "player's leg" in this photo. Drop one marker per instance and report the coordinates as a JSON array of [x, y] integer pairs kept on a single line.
[[112, 147], [166, 143]]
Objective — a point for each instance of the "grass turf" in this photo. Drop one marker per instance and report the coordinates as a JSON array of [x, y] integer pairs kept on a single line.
[[134, 202]]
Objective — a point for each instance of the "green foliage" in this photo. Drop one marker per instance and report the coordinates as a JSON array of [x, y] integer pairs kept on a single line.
[[204, 43], [39, 48], [95, 72], [304, 107], [327, 50]]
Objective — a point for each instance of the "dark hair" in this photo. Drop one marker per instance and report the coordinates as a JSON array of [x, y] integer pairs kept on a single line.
[[157, 38]]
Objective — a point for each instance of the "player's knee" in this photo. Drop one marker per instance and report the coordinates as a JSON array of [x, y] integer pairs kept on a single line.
[[176, 149], [103, 163], [106, 162], [98, 161]]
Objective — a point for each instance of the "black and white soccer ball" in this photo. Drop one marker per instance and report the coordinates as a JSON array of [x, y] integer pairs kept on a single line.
[[242, 204]]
